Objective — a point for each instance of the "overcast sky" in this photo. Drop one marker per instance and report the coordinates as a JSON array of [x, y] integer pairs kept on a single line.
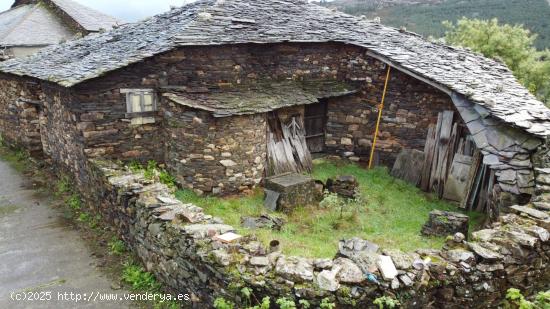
[[129, 10]]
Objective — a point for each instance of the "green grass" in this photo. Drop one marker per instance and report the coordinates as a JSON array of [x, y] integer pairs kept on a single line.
[[391, 214], [15, 157]]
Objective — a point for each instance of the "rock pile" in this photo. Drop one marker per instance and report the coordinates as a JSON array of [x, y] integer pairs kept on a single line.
[[346, 186]]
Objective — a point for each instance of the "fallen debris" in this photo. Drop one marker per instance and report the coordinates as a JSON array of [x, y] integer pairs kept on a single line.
[[263, 222]]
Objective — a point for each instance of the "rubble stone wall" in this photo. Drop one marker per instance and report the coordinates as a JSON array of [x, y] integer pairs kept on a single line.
[[61, 141], [19, 113], [106, 129], [410, 106], [214, 155], [176, 241]]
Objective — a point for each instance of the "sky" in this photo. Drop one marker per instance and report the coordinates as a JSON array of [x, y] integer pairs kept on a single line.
[[128, 10]]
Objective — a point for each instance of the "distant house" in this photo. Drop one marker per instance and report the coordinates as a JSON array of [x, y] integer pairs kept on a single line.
[[33, 24], [227, 92]]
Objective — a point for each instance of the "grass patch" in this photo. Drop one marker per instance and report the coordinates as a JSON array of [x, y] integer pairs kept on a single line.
[[15, 157], [7, 209], [390, 213], [116, 246]]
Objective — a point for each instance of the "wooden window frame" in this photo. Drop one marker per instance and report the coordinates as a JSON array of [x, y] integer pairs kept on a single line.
[[141, 92]]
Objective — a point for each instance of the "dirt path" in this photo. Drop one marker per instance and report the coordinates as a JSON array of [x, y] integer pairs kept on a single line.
[[38, 253]]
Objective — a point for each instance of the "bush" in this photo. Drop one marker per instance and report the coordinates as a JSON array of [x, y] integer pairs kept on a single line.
[[514, 45]]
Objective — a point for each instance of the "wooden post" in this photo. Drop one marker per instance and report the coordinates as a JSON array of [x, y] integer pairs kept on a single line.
[[380, 108]]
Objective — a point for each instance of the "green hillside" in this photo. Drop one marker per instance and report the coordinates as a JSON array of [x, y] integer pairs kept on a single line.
[[426, 18]]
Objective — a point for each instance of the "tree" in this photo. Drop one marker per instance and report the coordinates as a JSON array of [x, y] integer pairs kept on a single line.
[[514, 45]]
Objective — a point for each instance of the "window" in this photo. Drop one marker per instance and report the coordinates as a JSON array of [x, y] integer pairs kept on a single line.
[[140, 100]]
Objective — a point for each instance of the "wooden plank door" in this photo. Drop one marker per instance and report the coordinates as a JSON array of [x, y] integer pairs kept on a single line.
[[315, 120]]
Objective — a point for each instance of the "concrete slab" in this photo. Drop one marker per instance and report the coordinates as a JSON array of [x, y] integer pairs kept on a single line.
[[39, 253]]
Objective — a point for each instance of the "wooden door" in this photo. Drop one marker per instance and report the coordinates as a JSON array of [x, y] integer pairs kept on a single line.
[[315, 120]]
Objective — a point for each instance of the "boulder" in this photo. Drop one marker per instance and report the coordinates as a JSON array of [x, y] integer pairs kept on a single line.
[[294, 268], [400, 259], [326, 280], [348, 271], [260, 261], [460, 255]]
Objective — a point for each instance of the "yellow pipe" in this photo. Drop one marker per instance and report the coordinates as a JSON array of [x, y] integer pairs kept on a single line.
[[379, 117]]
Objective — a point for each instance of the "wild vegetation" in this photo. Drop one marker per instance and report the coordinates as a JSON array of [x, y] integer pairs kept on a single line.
[[426, 18], [516, 32], [514, 45], [515, 299], [389, 212]]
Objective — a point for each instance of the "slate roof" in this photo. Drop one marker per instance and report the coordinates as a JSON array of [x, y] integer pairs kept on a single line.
[[87, 18], [485, 82], [259, 97], [33, 23]]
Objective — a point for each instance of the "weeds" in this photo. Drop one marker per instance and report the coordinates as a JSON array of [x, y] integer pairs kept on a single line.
[[74, 201], [116, 246], [153, 172], [515, 299], [139, 279], [63, 186], [386, 302]]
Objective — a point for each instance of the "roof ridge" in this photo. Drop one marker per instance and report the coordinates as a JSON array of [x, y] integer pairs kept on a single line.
[[59, 2]]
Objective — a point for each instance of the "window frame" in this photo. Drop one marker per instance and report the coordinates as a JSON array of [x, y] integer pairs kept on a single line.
[[130, 112]]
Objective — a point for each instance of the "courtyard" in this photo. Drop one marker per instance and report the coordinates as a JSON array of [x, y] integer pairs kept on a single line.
[[388, 212]]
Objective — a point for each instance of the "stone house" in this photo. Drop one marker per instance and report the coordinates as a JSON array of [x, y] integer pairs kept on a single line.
[[33, 24], [214, 89]]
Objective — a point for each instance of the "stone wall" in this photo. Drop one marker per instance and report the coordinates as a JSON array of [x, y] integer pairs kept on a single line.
[[410, 107], [61, 141], [107, 131], [97, 113], [176, 242], [214, 155], [19, 109]]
